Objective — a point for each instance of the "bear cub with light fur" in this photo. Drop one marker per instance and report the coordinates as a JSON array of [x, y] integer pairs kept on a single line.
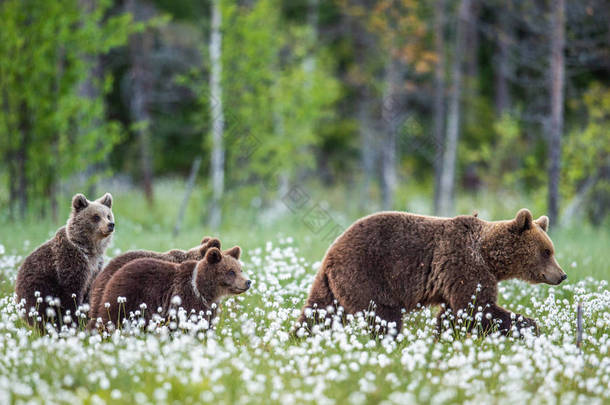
[[398, 260], [156, 283], [62, 267], [174, 256]]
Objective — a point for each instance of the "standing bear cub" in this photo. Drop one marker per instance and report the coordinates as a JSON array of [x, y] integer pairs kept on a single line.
[[156, 283], [62, 267], [174, 256], [398, 260]]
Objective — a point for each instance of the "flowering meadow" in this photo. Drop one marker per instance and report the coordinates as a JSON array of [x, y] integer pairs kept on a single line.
[[249, 355]]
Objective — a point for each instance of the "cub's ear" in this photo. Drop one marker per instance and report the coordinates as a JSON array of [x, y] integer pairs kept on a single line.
[[106, 199], [234, 252], [543, 222], [205, 239], [523, 220], [213, 255], [213, 242], [79, 202]]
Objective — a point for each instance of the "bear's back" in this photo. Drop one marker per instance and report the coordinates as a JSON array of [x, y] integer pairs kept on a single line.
[[100, 281], [37, 273], [381, 254], [143, 280], [385, 235]]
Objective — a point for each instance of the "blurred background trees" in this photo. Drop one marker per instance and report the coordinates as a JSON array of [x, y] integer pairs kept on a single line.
[[390, 99]]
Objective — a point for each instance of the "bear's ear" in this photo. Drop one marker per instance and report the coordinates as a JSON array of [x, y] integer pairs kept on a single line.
[[79, 202], [106, 199], [234, 252], [523, 220], [543, 222], [213, 255], [213, 242], [204, 240]]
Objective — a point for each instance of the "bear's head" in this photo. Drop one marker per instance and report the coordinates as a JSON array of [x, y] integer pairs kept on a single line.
[[91, 222], [521, 248], [219, 274]]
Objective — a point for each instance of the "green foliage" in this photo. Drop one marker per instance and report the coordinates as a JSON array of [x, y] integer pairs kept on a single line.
[[47, 50], [277, 92], [587, 154], [588, 149]]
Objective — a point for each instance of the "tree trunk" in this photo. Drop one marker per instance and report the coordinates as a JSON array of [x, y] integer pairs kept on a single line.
[[55, 172], [447, 183], [502, 63], [13, 181], [471, 47], [367, 148], [140, 46], [22, 158], [9, 156], [309, 65], [190, 184], [439, 97], [391, 115], [218, 153], [557, 86]]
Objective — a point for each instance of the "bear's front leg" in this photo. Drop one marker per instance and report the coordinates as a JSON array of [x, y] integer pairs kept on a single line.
[[466, 297], [505, 320]]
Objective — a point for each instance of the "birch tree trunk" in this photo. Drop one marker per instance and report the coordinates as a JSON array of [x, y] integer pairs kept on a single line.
[[439, 97], [90, 89], [218, 153], [390, 116], [22, 161], [557, 94], [502, 64], [309, 65], [367, 148], [140, 45], [447, 183]]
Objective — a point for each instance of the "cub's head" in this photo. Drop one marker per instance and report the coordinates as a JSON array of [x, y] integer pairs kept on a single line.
[[91, 220], [220, 272], [528, 250]]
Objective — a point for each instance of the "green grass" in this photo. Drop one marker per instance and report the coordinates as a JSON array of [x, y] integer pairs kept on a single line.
[[249, 358], [582, 249]]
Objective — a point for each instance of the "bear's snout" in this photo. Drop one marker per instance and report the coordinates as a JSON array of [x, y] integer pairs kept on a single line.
[[554, 275], [111, 227], [248, 284]]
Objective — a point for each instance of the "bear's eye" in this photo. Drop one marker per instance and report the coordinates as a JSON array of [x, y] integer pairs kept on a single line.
[[231, 273], [108, 217], [547, 252], [96, 218]]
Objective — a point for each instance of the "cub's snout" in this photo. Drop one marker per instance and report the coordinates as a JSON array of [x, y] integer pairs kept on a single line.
[[241, 285]]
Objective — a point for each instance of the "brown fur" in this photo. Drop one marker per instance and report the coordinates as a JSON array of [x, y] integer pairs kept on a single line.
[[398, 260], [63, 265], [175, 256], [155, 282]]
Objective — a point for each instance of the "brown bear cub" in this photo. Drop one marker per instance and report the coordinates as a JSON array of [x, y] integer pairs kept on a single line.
[[61, 268], [398, 260], [174, 256], [156, 283]]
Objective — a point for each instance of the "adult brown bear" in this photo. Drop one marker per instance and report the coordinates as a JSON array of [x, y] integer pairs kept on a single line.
[[398, 260]]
